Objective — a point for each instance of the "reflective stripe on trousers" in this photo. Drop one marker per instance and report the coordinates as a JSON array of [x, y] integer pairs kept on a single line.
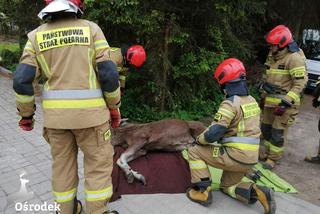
[[65, 196], [99, 195]]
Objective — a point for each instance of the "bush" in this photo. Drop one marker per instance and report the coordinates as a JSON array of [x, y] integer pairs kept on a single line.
[[10, 58]]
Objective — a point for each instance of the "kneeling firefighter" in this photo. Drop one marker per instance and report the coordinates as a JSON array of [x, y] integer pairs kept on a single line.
[[230, 143], [81, 96]]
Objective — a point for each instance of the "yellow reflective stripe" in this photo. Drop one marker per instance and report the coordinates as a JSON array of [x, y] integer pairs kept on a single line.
[[226, 112], [317, 82], [250, 110], [197, 164], [241, 128], [73, 103], [44, 65], [294, 96], [298, 71], [29, 47], [272, 147], [63, 37], [277, 71], [242, 146], [99, 194], [101, 44], [122, 77], [65, 196], [24, 98], [231, 191], [92, 75], [275, 149], [272, 100], [113, 94], [114, 49]]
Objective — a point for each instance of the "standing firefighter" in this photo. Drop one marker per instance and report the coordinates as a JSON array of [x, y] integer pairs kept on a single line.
[[124, 57], [81, 94], [285, 80], [316, 104], [230, 143]]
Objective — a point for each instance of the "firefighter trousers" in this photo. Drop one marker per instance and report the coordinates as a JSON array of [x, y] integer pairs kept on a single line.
[[233, 171], [274, 131], [95, 144]]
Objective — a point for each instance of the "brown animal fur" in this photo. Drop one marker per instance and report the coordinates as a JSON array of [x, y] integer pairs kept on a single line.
[[164, 135]]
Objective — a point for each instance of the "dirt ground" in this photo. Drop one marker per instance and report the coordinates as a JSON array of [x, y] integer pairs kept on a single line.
[[303, 139]]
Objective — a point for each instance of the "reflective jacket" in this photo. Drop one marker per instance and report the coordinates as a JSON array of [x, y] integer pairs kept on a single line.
[[116, 56], [286, 72], [71, 56], [238, 118]]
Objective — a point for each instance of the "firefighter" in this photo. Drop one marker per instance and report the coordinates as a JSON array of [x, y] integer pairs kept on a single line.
[[281, 91], [125, 57], [230, 143], [81, 95], [316, 104]]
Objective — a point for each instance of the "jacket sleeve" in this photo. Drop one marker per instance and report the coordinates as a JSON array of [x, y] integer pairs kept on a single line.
[[23, 79], [106, 69], [219, 126], [297, 70], [116, 57]]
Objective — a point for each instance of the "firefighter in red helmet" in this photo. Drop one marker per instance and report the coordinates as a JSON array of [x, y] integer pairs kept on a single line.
[[80, 98], [281, 91], [230, 143], [125, 57]]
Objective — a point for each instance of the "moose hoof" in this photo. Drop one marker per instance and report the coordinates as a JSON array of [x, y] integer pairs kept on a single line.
[[130, 178], [143, 180]]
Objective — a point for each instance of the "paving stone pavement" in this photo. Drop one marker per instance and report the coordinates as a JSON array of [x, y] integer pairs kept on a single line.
[[27, 154]]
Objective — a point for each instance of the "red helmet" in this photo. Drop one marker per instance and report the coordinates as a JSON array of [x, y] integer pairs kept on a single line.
[[136, 55], [280, 35], [78, 3], [229, 70]]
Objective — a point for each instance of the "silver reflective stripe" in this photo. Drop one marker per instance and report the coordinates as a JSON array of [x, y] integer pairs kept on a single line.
[[246, 140], [71, 94]]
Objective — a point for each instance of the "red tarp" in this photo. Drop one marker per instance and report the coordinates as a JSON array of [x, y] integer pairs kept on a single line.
[[165, 172]]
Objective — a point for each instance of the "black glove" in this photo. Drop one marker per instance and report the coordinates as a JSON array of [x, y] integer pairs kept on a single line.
[[281, 108]]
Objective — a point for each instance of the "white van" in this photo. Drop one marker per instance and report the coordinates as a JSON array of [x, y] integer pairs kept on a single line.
[[311, 47]]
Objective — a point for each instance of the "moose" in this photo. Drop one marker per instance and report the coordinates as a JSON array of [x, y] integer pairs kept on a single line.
[[164, 135]]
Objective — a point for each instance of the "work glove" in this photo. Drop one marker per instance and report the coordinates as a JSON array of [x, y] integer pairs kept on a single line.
[[281, 108], [315, 102], [115, 118], [26, 123]]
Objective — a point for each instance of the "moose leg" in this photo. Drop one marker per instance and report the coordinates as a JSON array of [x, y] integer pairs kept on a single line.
[[132, 152], [134, 173]]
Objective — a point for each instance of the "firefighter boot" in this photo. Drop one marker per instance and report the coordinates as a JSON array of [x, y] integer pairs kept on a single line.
[[201, 192], [268, 164], [265, 196], [314, 159]]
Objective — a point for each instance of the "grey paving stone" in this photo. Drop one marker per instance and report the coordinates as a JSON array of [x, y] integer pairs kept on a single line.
[[10, 187]]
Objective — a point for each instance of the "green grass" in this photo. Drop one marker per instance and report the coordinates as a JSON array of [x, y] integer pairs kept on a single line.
[[9, 46]]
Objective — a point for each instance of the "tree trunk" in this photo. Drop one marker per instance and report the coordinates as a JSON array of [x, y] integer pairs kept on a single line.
[[165, 67]]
